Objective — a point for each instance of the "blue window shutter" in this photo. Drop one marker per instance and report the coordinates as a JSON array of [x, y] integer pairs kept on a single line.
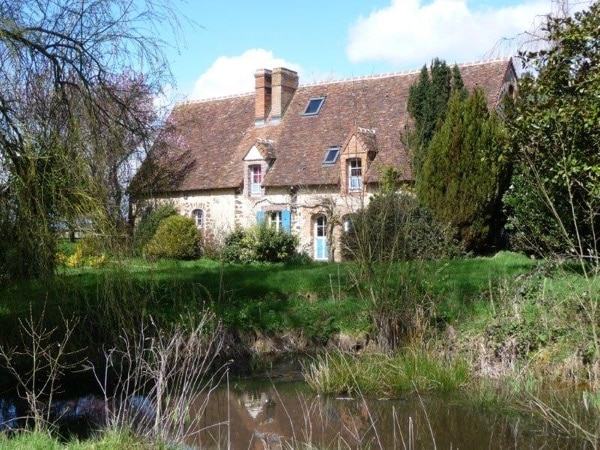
[[286, 221], [260, 217]]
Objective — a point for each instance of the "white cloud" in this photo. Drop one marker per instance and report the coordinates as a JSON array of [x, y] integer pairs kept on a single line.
[[235, 74], [410, 33]]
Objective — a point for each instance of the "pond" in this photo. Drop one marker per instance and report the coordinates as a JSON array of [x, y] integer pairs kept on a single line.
[[259, 415], [263, 414]]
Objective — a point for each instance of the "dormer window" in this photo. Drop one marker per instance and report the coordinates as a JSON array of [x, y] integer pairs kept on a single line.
[[332, 155], [355, 174], [314, 106], [256, 178]]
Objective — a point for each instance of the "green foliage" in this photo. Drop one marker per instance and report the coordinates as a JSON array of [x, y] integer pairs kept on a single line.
[[427, 104], [87, 252], [555, 130], [394, 227], [68, 116], [176, 238], [379, 375], [149, 224], [466, 172], [260, 243]]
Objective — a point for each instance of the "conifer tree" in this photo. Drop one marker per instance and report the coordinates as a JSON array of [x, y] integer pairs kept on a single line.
[[464, 174], [427, 105]]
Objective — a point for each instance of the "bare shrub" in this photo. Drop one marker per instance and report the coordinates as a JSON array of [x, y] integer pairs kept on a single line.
[[162, 377]]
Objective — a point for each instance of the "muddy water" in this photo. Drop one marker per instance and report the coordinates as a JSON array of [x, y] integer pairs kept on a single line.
[[281, 415], [269, 416]]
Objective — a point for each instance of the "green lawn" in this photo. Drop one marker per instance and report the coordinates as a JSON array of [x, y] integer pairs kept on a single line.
[[318, 298]]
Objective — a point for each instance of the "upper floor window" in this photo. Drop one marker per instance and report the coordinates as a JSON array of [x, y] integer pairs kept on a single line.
[[256, 178], [198, 216], [355, 174], [314, 106], [332, 155]]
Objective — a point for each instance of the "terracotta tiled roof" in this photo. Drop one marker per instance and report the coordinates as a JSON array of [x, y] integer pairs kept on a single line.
[[211, 138]]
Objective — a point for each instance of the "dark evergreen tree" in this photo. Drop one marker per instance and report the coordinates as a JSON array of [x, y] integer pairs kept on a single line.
[[427, 105], [465, 174]]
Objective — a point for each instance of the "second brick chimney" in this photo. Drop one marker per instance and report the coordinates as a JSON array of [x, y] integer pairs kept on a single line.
[[284, 85]]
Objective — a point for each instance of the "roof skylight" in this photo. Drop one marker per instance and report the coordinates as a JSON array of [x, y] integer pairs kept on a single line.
[[332, 155], [313, 107]]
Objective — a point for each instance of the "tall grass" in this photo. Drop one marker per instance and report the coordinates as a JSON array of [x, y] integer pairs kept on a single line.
[[382, 375]]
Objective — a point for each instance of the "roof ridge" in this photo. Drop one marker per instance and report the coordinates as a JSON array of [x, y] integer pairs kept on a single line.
[[344, 80], [402, 72], [212, 99]]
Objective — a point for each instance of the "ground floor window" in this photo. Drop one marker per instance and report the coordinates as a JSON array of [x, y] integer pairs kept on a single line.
[[198, 216], [275, 220]]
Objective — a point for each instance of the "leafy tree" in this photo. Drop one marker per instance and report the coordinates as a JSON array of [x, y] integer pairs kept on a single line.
[[63, 105], [427, 105], [465, 172], [554, 202], [394, 227]]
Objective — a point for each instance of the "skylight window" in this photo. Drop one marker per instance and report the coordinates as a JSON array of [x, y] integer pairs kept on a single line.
[[313, 107], [332, 155]]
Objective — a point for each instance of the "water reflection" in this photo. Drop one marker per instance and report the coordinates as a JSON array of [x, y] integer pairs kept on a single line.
[[269, 417], [263, 415], [8, 415]]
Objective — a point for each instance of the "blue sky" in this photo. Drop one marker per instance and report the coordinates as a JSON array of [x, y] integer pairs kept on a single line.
[[331, 39]]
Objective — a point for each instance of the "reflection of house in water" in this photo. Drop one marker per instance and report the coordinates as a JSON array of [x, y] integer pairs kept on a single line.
[[258, 405], [268, 419]]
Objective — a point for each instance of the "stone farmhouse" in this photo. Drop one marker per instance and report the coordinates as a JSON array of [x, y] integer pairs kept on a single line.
[[300, 157]]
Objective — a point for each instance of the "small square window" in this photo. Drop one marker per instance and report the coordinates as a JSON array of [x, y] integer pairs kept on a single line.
[[332, 155], [313, 107]]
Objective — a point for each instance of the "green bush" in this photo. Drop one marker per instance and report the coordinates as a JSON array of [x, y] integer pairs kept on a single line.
[[176, 238], [149, 224], [260, 243], [395, 228]]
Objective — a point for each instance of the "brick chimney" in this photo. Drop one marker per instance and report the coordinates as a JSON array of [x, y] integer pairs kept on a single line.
[[262, 102], [285, 83]]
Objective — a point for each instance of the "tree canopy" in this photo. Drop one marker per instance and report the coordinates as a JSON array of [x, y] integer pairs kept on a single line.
[[77, 78], [554, 201]]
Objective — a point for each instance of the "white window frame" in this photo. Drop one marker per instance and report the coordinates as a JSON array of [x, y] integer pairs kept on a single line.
[[198, 215], [275, 220], [355, 180], [256, 178]]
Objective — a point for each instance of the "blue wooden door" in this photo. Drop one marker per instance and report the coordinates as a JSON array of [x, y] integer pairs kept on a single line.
[[321, 250]]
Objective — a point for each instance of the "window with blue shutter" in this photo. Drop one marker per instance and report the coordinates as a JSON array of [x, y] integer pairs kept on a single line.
[[286, 221], [260, 217]]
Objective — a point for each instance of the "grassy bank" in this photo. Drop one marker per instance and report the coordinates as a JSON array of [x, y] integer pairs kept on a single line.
[[264, 298], [498, 327]]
